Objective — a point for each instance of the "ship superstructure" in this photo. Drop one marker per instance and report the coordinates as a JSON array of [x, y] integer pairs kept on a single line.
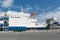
[[13, 21], [22, 19]]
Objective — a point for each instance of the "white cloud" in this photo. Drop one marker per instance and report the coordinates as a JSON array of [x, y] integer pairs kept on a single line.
[[58, 8], [48, 8], [27, 9], [37, 7], [43, 10], [7, 3], [0, 11], [44, 16], [0, 1]]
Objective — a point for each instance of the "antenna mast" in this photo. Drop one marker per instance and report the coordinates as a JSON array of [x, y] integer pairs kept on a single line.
[[21, 9]]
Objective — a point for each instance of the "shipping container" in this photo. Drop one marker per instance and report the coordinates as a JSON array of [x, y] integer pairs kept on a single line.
[[5, 29], [6, 18], [1, 25], [1, 18], [6, 24]]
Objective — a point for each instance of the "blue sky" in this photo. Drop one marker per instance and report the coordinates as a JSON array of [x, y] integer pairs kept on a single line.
[[39, 6], [45, 8]]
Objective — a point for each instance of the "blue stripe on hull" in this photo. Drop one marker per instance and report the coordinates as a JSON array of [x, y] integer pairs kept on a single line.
[[41, 28], [24, 28], [1, 25], [17, 28], [38, 28]]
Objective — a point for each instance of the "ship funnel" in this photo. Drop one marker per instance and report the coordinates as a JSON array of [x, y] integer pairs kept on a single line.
[[33, 15]]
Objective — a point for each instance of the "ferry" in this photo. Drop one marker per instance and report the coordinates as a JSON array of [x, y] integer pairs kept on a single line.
[[20, 21]]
